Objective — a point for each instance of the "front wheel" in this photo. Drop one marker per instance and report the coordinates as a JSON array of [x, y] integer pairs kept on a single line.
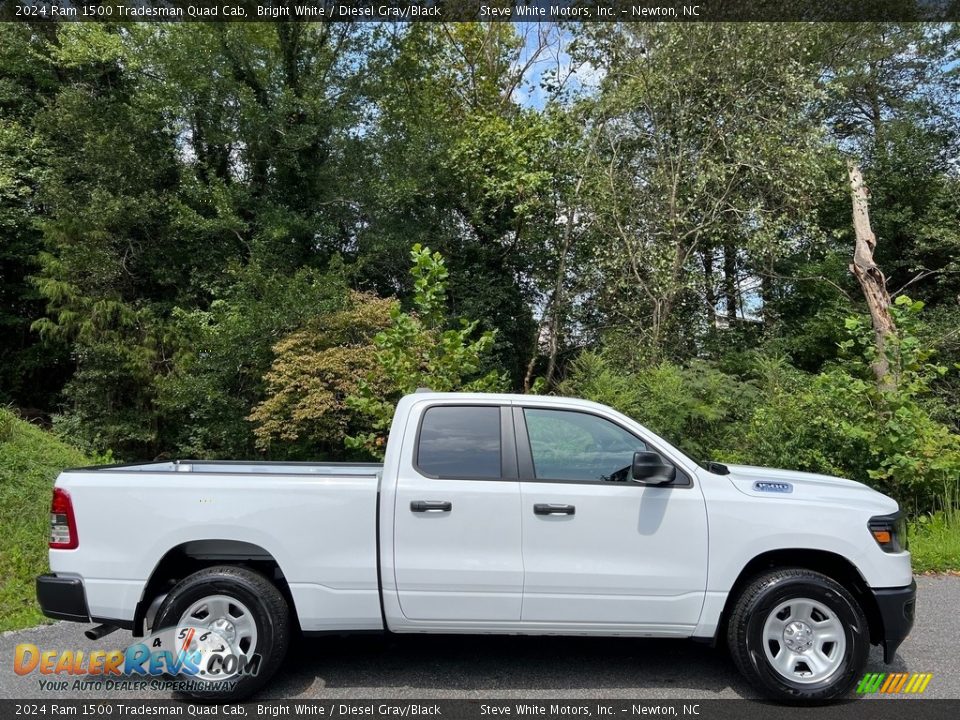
[[799, 636], [237, 615]]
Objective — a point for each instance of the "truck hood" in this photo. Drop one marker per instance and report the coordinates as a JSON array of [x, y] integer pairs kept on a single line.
[[787, 485]]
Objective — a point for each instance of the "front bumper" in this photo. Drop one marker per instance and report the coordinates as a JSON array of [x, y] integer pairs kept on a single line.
[[897, 608], [62, 598]]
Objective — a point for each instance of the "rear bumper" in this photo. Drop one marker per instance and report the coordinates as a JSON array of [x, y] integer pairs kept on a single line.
[[62, 598], [897, 609]]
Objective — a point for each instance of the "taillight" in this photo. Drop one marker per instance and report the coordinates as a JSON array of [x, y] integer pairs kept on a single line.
[[63, 525]]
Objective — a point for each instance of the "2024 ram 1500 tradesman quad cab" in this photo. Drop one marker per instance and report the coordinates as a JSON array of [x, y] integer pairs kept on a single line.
[[492, 514]]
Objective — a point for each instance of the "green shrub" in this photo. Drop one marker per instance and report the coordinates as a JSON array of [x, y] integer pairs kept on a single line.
[[694, 407], [304, 414], [30, 459], [841, 422], [934, 538], [416, 350], [797, 423]]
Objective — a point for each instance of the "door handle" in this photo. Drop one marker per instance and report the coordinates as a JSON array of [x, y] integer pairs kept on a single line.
[[430, 506], [548, 509]]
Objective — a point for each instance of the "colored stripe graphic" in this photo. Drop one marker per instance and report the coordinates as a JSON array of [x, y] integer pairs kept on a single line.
[[894, 683], [870, 683], [891, 679], [898, 685]]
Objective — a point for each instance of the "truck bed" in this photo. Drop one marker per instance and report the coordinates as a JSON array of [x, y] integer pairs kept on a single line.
[[316, 521]]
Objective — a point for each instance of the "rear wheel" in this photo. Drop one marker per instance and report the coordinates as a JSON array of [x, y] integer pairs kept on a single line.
[[799, 636], [246, 615]]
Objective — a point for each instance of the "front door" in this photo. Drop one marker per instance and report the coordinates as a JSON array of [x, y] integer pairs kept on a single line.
[[457, 554], [599, 548]]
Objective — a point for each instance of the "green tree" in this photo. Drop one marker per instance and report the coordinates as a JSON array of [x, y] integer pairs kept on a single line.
[[315, 370], [708, 167], [164, 247], [223, 353], [417, 350], [890, 102], [456, 161], [109, 253], [31, 371]]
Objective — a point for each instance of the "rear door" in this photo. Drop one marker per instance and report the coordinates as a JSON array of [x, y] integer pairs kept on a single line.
[[598, 548], [457, 542]]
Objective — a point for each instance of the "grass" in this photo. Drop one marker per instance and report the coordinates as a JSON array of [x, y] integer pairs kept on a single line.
[[935, 541], [30, 460]]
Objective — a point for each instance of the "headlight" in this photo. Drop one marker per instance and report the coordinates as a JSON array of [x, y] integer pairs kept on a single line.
[[890, 531]]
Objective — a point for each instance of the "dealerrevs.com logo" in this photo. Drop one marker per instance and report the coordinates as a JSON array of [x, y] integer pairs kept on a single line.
[[198, 657]]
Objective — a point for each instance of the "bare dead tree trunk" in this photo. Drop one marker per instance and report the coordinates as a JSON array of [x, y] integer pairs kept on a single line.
[[553, 312], [871, 279]]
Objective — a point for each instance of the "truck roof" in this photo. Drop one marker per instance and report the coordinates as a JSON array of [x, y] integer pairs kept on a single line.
[[423, 394]]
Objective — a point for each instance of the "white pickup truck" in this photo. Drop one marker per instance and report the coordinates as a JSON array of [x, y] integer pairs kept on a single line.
[[493, 514]]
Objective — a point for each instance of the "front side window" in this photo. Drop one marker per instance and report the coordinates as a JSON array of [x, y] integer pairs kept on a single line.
[[569, 445], [460, 442]]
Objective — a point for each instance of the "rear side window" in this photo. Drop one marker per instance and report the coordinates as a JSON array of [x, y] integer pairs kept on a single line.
[[460, 442]]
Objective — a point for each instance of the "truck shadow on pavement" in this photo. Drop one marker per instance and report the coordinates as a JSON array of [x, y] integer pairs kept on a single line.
[[451, 666], [461, 666], [502, 666]]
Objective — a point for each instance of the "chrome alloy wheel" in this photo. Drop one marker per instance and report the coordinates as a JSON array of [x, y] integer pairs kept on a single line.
[[804, 640], [228, 617]]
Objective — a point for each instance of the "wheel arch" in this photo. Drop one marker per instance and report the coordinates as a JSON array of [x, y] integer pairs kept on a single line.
[[189, 557], [828, 563]]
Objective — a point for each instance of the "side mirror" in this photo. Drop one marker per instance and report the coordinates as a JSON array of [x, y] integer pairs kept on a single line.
[[649, 469]]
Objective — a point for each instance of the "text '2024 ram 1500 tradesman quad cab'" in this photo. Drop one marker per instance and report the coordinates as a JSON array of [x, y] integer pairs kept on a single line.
[[492, 514]]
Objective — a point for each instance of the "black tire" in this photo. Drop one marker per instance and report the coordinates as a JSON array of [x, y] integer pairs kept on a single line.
[[265, 603], [745, 636]]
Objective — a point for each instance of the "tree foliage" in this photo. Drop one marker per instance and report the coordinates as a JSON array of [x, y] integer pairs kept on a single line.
[[837, 421], [205, 232], [316, 371], [709, 156], [418, 350]]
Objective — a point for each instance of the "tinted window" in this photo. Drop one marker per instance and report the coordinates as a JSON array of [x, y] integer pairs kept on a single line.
[[577, 446], [462, 442]]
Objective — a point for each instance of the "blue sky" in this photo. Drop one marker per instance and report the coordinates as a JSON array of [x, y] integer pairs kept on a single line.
[[545, 51]]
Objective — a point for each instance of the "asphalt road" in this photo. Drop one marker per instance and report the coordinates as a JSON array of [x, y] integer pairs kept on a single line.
[[425, 666]]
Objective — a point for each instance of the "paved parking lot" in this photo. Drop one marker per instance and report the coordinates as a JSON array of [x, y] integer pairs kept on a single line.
[[423, 666]]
